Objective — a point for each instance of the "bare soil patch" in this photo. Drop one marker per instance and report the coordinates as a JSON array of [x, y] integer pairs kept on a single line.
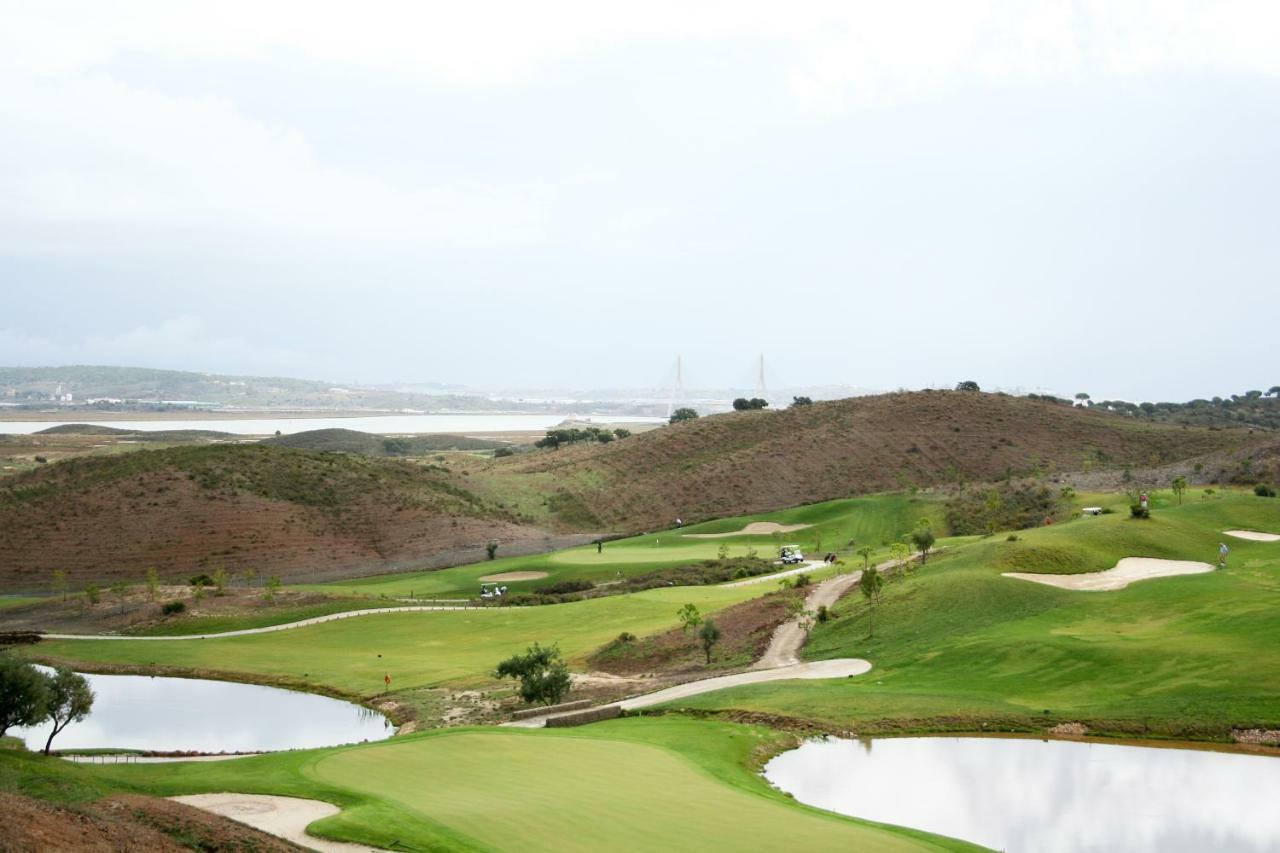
[[123, 823], [1128, 570], [755, 528], [515, 576]]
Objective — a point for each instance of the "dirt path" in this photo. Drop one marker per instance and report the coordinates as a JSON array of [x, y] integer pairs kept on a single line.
[[283, 817], [315, 620]]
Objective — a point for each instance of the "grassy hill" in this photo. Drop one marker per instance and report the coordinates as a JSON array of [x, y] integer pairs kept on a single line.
[[366, 444], [295, 513], [748, 462]]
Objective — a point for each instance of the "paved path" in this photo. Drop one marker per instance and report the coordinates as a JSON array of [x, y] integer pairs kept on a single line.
[[811, 566], [283, 817], [315, 620]]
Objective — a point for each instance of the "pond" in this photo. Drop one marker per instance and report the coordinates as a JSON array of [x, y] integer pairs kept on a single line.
[[1033, 795], [188, 714]]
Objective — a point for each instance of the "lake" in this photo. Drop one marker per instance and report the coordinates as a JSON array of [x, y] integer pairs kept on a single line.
[[1033, 795], [188, 714], [382, 424]]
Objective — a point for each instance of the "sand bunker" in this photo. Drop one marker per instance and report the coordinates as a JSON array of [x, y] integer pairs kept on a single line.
[[755, 528], [1127, 571], [1253, 535], [515, 576], [283, 817]]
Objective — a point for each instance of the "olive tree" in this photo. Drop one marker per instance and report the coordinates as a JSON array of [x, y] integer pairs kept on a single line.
[[24, 694], [709, 633], [923, 538], [70, 701], [689, 617], [543, 676]]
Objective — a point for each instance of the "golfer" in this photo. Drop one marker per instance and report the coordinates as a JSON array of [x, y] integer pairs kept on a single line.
[[1223, 551]]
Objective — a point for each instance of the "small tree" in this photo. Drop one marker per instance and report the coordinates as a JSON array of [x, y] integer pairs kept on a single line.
[[900, 553], [271, 587], [70, 700], [219, 581], [491, 548], [682, 414], [250, 576], [689, 617], [722, 553], [993, 504], [865, 553], [543, 676], [923, 538], [120, 591], [153, 583], [92, 594], [60, 585], [709, 634], [967, 385], [871, 584], [1179, 488], [24, 694], [1082, 399]]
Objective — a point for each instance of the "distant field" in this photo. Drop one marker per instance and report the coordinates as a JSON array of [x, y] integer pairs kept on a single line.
[[958, 643]]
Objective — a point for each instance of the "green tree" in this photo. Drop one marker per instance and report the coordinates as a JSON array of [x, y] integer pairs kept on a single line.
[[60, 585], [271, 587], [92, 593], [491, 548], [801, 401], [689, 617], [250, 576], [1083, 399], [24, 694], [543, 676], [683, 414], [865, 553], [871, 584], [153, 582], [994, 503], [120, 591], [923, 538], [219, 581], [900, 553], [742, 404], [70, 700], [1179, 488], [709, 634], [967, 385], [621, 433], [722, 553]]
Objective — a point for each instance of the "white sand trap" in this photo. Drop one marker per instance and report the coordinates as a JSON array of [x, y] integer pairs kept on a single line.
[[1127, 571], [1253, 535], [755, 528], [283, 817], [515, 576]]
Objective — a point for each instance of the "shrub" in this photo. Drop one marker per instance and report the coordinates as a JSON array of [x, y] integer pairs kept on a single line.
[[1012, 537], [41, 460], [683, 414], [200, 580], [800, 581], [823, 613], [172, 608], [1139, 511], [565, 587], [503, 451], [626, 637], [1264, 491]]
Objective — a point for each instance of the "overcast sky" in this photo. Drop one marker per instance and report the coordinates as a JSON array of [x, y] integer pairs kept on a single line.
[[1070, 196]]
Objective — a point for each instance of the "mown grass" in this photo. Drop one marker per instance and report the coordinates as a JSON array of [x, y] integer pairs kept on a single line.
[[873, 520], [431, 648], [636, 784], [958, 644]]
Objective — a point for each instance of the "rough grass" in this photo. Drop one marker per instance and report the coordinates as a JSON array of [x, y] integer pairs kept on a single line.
[[956, 644]]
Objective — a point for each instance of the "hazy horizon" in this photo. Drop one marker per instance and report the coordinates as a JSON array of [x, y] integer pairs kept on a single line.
[[1061, 196]]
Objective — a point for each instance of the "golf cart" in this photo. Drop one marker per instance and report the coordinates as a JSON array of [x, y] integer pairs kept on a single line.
[[492, 590], [790, 555]]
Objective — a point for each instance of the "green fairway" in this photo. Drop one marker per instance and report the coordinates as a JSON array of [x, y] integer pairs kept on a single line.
[[417, 649], [872, 520], [957, 643], [7, 601], [633, 784]]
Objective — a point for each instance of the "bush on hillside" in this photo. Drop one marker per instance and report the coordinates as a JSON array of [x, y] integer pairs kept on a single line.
[[683, 414], [565, 587], [1264, 491], [742, 404], [1139, 511], [1007, 506], [172, 608]]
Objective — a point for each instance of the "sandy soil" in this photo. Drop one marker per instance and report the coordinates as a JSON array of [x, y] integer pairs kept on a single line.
[[1127, 571], [515, 576], [284, 817], [1253, 535], [755, 528]]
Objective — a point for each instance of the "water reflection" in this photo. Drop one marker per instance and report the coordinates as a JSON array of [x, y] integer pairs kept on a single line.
[[180, 714], [1028, 795]]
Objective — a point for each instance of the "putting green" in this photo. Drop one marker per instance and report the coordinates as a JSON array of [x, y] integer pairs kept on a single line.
[[517, 791]]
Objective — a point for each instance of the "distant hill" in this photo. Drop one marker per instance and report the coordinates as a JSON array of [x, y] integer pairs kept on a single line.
[[308, 514], [155, 435], [761, 460], [366, 444]]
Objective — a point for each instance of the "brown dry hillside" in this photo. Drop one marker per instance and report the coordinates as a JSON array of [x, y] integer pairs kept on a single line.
[[308, 515], [761, 460], [298, 514]]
